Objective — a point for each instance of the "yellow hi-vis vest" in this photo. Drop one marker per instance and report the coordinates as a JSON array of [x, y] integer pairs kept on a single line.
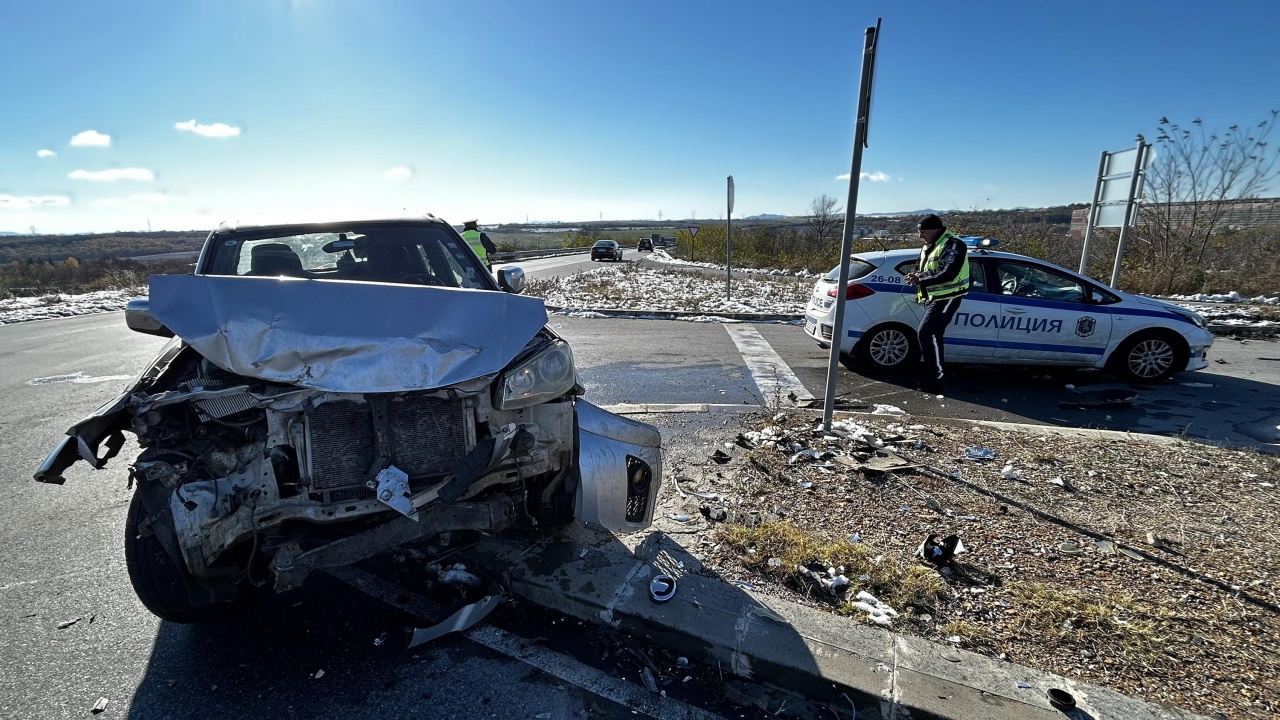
[[473, 239], [928, 263]]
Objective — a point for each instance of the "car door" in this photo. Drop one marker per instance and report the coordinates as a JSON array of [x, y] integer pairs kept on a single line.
[[973, 331], [1048, 316]]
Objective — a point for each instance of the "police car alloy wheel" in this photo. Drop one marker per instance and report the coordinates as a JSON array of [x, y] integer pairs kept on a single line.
[[1149, 358], [888, 347]]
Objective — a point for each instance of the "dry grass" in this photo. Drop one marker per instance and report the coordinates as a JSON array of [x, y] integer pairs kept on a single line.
[[1061, 572], [903, 585]]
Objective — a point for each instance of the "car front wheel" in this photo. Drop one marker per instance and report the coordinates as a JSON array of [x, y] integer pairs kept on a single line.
[[161, 583], [888, 347], [1150, 357]]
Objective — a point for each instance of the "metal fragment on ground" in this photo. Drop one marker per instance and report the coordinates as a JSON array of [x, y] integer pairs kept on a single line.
[[464, 618]]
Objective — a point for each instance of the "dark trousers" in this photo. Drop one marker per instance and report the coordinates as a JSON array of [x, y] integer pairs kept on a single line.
[[937, 316]]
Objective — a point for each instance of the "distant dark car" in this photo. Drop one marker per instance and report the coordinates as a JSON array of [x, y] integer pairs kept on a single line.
[[606, 250], [645, 244]]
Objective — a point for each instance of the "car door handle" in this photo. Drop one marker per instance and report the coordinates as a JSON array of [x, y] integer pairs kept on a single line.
[[1014, 311]]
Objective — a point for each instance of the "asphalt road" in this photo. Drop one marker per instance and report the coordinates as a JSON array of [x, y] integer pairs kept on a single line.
[[63, 556]]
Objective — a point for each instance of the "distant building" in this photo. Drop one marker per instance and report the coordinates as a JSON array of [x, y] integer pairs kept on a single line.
[[1240, 215]]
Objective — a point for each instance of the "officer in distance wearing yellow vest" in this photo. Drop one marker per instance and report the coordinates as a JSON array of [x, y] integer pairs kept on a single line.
[[479, 242], [941, 279]]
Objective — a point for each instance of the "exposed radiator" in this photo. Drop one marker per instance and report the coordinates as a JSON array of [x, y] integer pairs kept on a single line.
[[427, 436]]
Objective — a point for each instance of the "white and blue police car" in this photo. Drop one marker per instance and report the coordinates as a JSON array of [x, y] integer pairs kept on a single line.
[[1019, 311]]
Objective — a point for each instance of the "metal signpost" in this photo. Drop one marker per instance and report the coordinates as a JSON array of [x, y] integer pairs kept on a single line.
[[1115, 198], [728, 244], [850, 215], [693, 233]]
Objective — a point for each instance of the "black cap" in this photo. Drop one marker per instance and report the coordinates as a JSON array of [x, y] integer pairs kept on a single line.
[[931, 222]]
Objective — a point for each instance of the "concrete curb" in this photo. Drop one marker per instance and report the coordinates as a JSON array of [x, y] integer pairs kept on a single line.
[[594, 576]]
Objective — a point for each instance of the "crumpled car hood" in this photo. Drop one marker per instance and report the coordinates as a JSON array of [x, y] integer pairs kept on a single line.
[[346, 336]]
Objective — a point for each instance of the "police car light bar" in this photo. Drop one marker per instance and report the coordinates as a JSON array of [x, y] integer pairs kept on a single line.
[[975, 241]]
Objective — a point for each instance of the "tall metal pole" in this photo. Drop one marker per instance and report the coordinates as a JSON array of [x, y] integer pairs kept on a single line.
[[728, 240], [850, 217], [1128, 209], [1093, 213]]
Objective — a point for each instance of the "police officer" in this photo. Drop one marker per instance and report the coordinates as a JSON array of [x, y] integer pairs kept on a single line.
[[941, 279], [478, 241]]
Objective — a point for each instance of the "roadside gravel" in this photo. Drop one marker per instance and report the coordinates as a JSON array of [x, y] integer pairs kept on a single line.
[[1147, 568]]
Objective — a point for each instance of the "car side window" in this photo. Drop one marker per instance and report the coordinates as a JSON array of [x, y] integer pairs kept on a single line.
[[1033, 281], [977, 274]]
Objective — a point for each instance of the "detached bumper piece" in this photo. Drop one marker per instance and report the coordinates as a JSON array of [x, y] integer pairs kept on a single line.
[[620, 467]]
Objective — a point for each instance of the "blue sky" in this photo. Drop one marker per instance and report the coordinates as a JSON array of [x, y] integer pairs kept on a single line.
[[576, 109]]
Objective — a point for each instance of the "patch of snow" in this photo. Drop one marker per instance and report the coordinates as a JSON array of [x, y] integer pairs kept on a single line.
[[658, 290], [26, 309]]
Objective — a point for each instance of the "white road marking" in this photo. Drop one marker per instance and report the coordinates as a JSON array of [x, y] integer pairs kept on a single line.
[[571, 671], [77, 378], [772, 375]]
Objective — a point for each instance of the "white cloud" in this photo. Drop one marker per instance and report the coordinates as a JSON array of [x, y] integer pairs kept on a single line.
[[45, 153], [109, 202], [216, 130], [149, 197], [91, 138], [113, 175], [11, 202], [872, 177], [398, 174]]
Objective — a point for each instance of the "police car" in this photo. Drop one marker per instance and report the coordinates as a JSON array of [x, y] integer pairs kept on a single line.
[[1019, 311]]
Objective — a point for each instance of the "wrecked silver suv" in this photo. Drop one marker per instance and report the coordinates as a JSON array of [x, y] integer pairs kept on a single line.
[[334, 391]]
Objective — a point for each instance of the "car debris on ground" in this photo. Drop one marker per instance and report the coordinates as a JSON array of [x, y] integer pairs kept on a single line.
[[1142, 567]]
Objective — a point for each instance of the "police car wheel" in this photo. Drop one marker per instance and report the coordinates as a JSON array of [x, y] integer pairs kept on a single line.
[[888, 347], [1150, 357]]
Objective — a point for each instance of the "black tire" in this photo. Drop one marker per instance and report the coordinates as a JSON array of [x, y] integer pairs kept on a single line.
[[888, 348], [1150, 356], [160, 583]]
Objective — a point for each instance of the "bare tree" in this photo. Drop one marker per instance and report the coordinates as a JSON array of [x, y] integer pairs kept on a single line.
[[1196, 179], [824, 219]]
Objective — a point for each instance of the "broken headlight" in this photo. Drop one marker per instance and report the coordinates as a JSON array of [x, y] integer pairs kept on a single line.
[[545, 376]]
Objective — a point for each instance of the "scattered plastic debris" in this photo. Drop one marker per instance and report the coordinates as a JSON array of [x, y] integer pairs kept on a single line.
[[806, 484], [68, 623], [1132, 553], [980, 453], [583, 553], [877, 611], [649, 682], [680, 517], [662, 588], [956, 639], [1008, 473], [319, 674], [1107, 547], [855, 538], [940, 552], [458, 575], [1070, 548], [99, 706], [1024, 685], [888, 410]]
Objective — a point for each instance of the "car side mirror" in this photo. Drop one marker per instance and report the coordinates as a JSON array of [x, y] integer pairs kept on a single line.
[[137, 315], [511, 279]]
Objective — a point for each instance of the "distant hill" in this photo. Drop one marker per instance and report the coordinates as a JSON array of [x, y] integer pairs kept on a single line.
[[5, 232], [766, 216]]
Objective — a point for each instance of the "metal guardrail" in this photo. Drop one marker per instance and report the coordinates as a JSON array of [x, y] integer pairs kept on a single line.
[[520, 254]]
